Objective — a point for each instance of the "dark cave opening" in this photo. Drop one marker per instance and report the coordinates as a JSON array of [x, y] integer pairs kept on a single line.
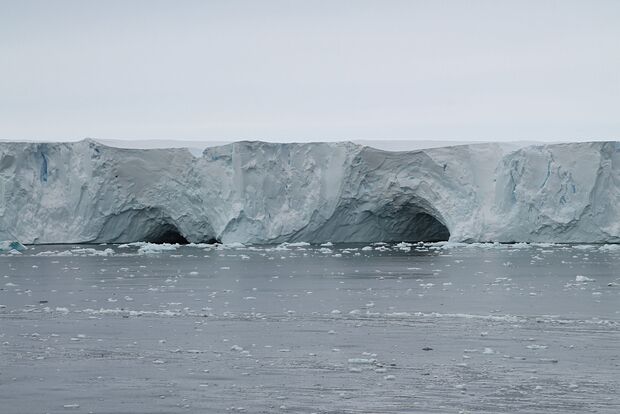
[[424, 227], [393, 221], [411, 224], [166, 233]]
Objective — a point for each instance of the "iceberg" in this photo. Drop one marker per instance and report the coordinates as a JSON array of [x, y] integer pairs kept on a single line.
[[257, 192], [11, 246]]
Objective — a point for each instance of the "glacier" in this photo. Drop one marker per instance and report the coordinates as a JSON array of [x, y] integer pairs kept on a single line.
[[258, 192]]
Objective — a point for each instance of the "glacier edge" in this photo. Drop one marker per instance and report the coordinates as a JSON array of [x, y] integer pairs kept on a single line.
[[257, 192]]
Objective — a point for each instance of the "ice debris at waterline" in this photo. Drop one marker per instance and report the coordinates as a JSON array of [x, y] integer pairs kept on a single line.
[[11, 247], [256, 192]]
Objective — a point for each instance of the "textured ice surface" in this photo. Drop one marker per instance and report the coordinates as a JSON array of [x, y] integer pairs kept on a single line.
[[253, 192]]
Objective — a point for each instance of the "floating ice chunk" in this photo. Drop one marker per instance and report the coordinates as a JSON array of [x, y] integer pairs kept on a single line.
[[202, 245], [362, 361], [92, 252], [580, 278], [55, 253], [295, 244], [404, 246], [9, 246], [153, 248], [610, 247], [447, 245], [536, 346], [583, 246], [398, 314]]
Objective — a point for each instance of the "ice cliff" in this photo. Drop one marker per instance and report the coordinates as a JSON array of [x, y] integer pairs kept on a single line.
[[341, 192]]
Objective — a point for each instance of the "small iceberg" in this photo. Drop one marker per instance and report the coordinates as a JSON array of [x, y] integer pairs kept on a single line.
[[580, 278], [9, 246]]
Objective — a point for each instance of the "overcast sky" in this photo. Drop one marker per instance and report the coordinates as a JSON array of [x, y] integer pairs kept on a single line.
[[310, 70]]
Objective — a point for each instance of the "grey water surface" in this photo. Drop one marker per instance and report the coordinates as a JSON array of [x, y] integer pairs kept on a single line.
[[429, 328]]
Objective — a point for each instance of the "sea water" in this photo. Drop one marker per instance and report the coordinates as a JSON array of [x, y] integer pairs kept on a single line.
[[379, 328]]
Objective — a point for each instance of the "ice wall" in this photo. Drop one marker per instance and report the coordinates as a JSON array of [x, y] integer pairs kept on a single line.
[[260, 192]]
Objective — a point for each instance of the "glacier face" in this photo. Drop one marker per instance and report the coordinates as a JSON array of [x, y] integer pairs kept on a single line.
[[256, 192]]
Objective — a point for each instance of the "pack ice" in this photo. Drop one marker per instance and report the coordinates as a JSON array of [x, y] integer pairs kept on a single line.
[[256, 192]]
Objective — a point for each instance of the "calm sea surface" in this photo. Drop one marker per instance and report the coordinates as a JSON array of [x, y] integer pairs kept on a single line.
[[428, 328]]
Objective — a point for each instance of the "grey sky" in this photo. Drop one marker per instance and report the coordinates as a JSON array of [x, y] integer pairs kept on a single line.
[[310, 70]]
